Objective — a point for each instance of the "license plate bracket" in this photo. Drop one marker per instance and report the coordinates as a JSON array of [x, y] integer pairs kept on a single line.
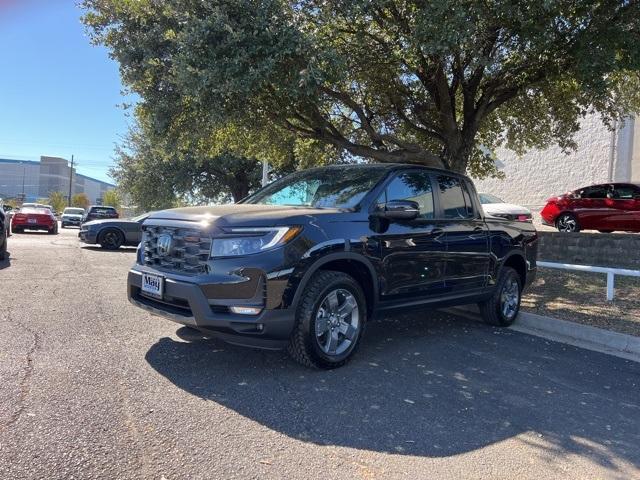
[[152, 285]]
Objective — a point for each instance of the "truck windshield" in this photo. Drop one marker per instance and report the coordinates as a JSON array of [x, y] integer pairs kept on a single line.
[[339, 187]]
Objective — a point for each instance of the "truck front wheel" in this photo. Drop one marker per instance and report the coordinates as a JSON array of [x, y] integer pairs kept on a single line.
[[502, 308], [330, 321]]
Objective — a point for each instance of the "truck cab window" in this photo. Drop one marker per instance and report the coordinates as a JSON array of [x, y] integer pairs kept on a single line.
[[455, 201]]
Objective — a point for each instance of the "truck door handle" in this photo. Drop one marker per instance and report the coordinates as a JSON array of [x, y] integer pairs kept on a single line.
[[437, 231], [478, 229]]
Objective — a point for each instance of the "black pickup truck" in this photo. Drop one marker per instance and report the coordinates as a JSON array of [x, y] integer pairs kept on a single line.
[[305, 262]]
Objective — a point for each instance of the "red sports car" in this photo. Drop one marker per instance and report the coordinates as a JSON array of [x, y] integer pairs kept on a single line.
[[32, 218], [606, 208]]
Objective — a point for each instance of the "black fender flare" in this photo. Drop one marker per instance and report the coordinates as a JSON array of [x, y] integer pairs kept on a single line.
[[505, 259], [325, 259]]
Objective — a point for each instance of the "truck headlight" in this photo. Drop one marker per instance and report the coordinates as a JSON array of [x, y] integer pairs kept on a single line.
[[247, 241]]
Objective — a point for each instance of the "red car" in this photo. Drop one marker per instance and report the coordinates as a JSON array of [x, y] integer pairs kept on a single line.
[[31, 218], [606, 208]]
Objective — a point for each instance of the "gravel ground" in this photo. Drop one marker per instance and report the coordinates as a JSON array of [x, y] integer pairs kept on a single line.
[[581, 297], [93, 388]]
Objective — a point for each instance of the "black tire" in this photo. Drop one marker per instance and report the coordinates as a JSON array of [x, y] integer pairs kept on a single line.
[[18, 230], [54, 230], [63, 225], [110, 239], [567, 222], [493, 309], [305, 344]]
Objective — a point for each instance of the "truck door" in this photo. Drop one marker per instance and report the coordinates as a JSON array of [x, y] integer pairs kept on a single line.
[[413, 253], [466, 233]]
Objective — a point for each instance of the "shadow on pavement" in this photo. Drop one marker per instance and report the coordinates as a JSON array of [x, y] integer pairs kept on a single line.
[[435, 386], [98, 248]]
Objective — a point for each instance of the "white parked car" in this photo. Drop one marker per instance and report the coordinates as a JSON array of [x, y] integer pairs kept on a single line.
[[496, 207], [72, 216]]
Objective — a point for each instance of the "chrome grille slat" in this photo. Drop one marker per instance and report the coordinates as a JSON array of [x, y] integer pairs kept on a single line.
[[189, 253]]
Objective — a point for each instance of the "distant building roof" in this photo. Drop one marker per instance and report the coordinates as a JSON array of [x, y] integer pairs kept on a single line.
[[32, 162], [96, 180], [8, 160]]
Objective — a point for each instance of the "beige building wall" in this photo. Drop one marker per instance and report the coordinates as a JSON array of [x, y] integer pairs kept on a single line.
[[635, 152], [601, 156]]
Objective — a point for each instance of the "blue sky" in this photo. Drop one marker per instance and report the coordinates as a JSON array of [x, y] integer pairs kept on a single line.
[[59, 95]]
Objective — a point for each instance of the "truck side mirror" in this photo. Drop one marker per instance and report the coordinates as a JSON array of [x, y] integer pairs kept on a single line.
[[398, 210]]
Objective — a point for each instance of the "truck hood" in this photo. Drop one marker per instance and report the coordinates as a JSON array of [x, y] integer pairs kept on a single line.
[[243, 214]]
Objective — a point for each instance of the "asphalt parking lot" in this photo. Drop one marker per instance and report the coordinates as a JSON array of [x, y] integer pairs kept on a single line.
[[95, 388]]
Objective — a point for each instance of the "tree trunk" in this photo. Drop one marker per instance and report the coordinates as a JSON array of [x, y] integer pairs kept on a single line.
[[458, 153], [240, 187]]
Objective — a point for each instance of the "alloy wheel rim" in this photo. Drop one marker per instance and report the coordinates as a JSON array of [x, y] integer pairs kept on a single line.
[[110, 239], [509, 298], [567, 224], [337, 322]]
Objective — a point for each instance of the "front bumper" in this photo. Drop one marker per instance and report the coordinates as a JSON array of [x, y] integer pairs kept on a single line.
[[185, 303], [87, 236], [71, 221]]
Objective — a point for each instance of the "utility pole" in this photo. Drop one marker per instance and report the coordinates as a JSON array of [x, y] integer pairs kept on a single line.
[[70, 180]]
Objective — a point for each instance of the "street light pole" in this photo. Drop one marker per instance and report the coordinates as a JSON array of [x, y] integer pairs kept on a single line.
[[70, 181], [265, 173]]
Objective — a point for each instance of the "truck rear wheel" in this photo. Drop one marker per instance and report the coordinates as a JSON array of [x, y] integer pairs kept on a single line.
[[330, 321], [502, 308]]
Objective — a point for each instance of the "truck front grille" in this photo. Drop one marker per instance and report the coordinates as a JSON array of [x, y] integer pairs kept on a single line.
[[187, 252]]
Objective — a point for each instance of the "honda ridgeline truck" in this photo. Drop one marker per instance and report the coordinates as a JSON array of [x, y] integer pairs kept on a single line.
[[306, 262]]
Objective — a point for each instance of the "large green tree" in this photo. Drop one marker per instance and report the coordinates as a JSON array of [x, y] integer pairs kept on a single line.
[[191, 160], [435, 82], [160, 171], [142, 171]]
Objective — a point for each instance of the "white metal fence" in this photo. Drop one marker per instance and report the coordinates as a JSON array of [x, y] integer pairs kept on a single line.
[[611, 273]]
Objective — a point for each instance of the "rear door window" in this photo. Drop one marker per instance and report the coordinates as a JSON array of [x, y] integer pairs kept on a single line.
[[454, 199], [624, 192]]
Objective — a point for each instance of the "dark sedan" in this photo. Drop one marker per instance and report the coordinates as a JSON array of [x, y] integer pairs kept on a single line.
[[113, 233]]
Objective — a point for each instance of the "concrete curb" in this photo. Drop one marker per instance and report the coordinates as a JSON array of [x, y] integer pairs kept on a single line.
[[583, 336]]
